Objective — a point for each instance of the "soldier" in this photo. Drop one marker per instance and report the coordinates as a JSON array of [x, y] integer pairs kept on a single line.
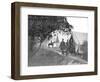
[[62, 46], [67, 47], [71, 45]]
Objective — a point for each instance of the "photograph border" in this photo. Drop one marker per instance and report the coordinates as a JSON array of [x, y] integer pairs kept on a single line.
[[15, 39]]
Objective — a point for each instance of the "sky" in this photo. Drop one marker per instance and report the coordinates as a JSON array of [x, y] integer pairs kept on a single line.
[[80, 24]]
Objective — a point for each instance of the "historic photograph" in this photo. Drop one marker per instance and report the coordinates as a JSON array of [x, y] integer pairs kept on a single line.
[[57, 40], [53, 40]]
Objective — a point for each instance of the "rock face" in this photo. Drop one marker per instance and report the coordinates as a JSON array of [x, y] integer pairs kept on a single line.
[[58, 35]]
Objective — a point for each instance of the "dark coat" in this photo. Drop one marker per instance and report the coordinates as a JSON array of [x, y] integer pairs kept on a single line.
[[62, 45]]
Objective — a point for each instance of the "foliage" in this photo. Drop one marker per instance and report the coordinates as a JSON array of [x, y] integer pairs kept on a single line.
[[42, 26]]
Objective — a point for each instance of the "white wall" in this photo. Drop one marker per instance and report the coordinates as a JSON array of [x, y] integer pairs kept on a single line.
[[5, 40]]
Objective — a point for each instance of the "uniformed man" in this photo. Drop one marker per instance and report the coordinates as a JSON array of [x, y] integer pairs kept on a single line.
[[62, 46]]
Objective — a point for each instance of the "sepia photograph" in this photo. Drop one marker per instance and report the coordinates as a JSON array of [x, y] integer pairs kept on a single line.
[[57, 40]]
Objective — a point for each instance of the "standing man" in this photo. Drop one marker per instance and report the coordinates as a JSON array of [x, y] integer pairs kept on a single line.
[[62, 46], [67, 47]]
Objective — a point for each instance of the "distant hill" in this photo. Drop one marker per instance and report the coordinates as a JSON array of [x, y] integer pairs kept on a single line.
[[80, 37]]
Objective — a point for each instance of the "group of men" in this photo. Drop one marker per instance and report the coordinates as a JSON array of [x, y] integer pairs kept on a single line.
[[67, 47]]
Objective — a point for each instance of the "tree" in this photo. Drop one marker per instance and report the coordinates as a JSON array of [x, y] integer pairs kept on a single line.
[[42, 26], [84, 48]]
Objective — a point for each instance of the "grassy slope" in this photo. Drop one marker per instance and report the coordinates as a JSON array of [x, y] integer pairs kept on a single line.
[[46, 57]]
